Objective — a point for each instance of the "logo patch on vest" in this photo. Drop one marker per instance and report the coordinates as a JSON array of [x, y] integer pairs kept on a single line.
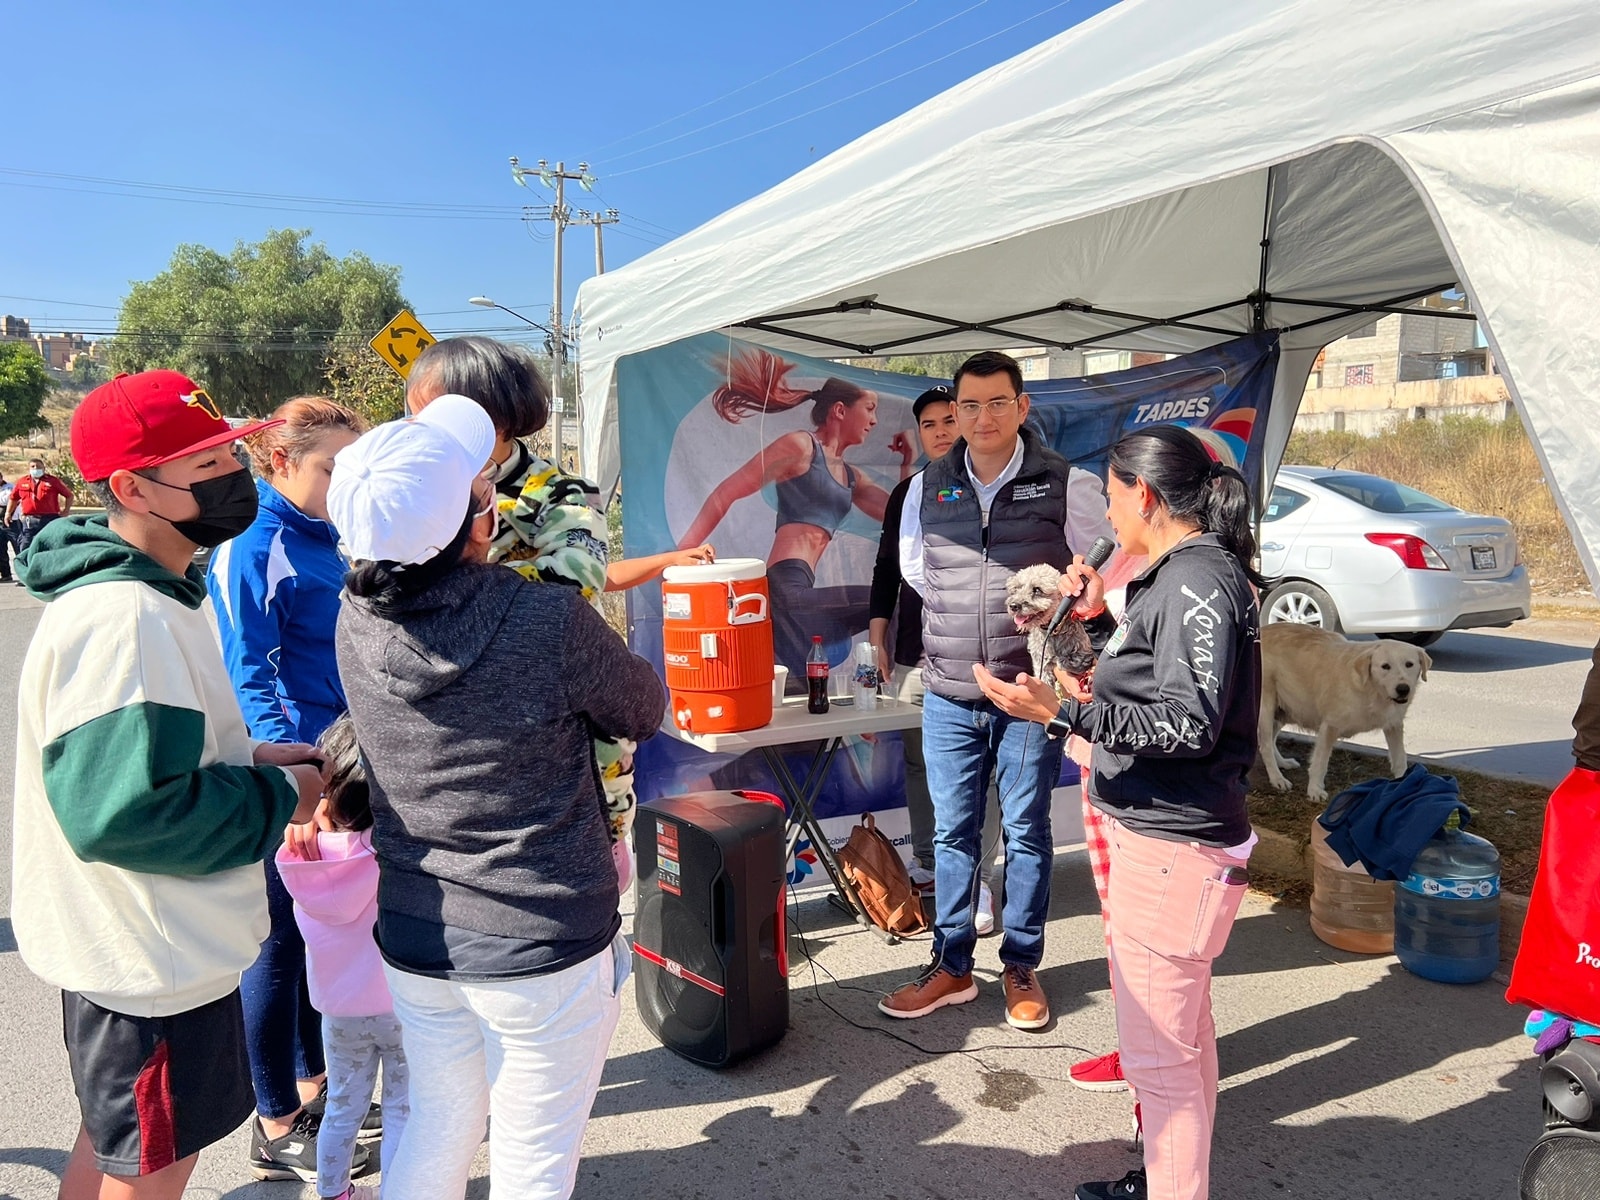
[[950, 495], [1117, 638], [1029, 491]]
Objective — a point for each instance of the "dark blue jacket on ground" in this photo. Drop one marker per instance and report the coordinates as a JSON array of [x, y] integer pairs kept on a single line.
[[276, 591], [1386, 822]]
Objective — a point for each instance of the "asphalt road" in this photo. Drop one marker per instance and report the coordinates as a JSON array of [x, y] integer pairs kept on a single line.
[[1332, 1086]]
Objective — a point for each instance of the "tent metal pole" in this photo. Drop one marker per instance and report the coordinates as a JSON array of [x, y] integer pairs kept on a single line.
[[843, 306], [1352, 309], [1258, 304], [1160, 323], [804, 337]]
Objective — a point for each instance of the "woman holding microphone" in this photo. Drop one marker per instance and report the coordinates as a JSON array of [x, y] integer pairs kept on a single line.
[[1173, 722]]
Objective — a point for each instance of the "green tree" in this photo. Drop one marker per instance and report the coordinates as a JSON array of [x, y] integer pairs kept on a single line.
[[85, 372], [24, 384], [259, 325], [358, 379]]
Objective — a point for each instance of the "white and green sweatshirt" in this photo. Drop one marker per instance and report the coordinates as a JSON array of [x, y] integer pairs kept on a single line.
[[140, 823]]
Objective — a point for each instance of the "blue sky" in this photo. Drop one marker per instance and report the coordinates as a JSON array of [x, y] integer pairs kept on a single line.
[[411, 104]]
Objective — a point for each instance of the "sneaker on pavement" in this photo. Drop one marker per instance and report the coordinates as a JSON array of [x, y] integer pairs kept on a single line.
[[1103, 1074], [1130, 1187], [294, 1155], [1026, 1007], [921, 877], [983, 922], [371, 1124], [934, 988]]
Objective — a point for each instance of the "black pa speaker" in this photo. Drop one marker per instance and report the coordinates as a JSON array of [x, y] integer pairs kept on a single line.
[[1564, 1164], [713, 973]]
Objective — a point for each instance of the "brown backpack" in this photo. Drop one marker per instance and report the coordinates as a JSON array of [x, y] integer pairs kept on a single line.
[[873, 865]]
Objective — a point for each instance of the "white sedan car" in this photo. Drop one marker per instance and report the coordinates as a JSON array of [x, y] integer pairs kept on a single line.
[[1359, 554]]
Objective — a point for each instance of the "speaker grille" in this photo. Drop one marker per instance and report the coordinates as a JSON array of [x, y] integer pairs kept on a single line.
[[692, 1009], [1563, 1165]]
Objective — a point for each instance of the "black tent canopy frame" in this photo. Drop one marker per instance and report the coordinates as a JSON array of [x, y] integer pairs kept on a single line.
[[1132, 323], [1257, 302]]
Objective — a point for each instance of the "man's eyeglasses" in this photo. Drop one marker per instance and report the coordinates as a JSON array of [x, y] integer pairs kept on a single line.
[[969, 409]]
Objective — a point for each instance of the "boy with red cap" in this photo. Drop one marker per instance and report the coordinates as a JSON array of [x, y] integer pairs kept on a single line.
[[142, 808]]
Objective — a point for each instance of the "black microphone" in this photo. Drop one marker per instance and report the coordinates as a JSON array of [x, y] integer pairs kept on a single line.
[[1096, 558]]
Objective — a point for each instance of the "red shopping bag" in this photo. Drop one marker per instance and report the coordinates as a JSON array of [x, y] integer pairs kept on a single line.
[[1558, 963]]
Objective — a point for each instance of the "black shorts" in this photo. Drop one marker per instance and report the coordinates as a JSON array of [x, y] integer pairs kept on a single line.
[[154, 1090]]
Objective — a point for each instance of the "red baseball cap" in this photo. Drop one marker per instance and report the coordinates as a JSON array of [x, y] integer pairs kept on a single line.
[[144, 420]]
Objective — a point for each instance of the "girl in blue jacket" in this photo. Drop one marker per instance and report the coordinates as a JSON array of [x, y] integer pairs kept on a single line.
[[276, 590]]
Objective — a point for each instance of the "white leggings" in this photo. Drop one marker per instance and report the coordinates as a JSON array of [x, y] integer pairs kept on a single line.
[[528, 1051], [354, 1046]]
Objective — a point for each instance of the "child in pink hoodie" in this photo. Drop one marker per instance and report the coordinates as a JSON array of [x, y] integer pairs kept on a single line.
[[335, 890]]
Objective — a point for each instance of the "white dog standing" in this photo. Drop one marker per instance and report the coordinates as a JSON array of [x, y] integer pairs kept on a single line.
[[1335, 689]]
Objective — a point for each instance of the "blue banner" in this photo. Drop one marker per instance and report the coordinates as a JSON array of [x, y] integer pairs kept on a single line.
[[708, 424]]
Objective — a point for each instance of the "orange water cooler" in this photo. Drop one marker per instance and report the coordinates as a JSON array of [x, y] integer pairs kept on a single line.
[[717, 638]]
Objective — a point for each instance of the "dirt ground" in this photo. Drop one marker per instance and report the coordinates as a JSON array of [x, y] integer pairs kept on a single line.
[[1507, 813]]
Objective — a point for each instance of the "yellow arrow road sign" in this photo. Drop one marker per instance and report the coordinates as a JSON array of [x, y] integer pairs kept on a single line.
[[400, 341]]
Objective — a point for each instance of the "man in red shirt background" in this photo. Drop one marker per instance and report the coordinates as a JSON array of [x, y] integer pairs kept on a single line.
[[37, 498]]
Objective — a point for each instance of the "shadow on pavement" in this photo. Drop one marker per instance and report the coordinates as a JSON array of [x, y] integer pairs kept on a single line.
[[839, 1109], [1478, 653]]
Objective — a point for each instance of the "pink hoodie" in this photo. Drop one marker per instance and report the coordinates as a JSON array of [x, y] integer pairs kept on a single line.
[[336, 906]]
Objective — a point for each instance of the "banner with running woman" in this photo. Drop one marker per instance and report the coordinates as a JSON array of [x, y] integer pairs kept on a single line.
[[791, 460]]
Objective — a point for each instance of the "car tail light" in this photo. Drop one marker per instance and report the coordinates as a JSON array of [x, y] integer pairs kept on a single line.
[[1413, 551]]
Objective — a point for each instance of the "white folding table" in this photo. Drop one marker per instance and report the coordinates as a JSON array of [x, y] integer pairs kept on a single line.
[[792, 724]]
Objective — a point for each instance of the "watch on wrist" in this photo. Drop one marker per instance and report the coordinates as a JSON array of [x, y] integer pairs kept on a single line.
[[1056, 728]]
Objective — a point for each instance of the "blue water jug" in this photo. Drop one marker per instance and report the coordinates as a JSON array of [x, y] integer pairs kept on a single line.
[[1447, 910]]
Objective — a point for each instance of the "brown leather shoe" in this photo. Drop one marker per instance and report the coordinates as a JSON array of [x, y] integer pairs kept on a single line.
[[1026, 1007], [932, 989]]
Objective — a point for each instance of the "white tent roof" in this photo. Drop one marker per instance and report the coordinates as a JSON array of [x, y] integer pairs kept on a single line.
[[1130, 169]]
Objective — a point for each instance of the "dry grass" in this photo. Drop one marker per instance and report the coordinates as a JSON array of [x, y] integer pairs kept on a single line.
[[1509, 814], [1476, 464]]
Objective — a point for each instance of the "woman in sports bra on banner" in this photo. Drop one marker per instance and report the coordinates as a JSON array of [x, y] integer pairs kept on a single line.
[[816, 490]]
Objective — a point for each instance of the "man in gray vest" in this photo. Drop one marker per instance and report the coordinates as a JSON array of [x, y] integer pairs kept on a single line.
[[1000, 500]]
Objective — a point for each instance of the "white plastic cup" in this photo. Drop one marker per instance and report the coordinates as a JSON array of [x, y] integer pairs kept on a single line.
[[780, 680]]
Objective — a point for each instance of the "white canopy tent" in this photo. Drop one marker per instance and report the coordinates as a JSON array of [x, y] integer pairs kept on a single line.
[[1172, 174]]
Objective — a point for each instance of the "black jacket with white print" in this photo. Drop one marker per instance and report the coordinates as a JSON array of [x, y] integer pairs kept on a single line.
[[1176, 695]]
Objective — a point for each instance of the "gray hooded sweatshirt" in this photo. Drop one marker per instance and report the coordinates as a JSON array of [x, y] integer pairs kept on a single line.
[[475, 702]]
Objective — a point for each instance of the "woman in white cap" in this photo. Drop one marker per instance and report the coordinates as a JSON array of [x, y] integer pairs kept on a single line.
[[474, 695]]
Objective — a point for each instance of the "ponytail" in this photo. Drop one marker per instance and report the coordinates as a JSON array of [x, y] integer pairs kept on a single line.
[[386, 584], [1228, 510], [756, 382], [1176, 466]]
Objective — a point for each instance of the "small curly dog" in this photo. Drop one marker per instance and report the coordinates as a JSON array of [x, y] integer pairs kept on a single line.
[[1032, 595]]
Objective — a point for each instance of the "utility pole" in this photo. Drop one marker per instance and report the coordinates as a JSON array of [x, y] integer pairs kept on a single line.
[[598, 219], [556, 177]]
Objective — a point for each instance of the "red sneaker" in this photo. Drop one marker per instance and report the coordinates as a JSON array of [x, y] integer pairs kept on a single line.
[[1103, 1074]]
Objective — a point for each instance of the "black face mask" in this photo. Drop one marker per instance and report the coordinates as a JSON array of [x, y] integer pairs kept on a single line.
[[228, 506]]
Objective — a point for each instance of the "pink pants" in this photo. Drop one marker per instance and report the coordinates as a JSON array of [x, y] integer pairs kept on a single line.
[[1170, 913]]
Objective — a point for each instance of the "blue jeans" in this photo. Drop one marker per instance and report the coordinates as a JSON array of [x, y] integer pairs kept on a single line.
[[282, 1032], [966, 742]]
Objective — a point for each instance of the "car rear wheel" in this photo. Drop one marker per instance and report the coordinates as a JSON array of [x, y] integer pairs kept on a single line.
[[1425, 639], [1301, 603]]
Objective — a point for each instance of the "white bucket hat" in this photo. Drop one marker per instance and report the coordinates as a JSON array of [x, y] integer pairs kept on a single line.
[[400, 492]]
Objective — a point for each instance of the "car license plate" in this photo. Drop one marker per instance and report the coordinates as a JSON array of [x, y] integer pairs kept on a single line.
[[1483, 558]]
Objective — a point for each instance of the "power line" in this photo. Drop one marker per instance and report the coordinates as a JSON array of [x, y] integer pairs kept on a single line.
[[176, 187], [796, 91], [302, 209], [688, 112], [63, 303], [842, 99]]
